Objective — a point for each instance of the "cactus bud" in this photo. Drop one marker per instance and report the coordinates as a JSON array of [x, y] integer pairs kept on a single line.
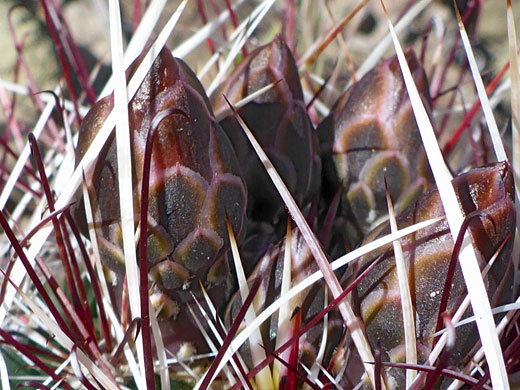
[[428, 252], [279, 121], [194, 178], [371, 134]]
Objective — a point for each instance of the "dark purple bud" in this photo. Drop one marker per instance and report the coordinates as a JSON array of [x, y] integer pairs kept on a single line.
[[279, 121], [194, 177], [370, 134]]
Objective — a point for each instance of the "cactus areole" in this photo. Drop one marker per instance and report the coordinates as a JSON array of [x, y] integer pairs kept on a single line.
[[194, 180]]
